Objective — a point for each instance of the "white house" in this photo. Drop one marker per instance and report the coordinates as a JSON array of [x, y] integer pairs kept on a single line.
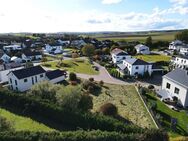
[[134, 67], [16, 59], [142, 49], [78, 43], [175, 83], [119, 55], [184, 50], [176, 45], [12, 47], [54, 49], [5, 58], [23, 79], [64, 43], [29, 56], [180, 62]]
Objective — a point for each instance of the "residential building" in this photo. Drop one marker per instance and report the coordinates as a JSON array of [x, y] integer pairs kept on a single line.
[[2, 67], [5, 58], [180, 62], [134, 67], [184, 50], [142, 49], [29, 56], [53, 48], [176, 45], [16, 59], [175, 84], [119, 55], [15, 46], [78, 43], [23, 79]]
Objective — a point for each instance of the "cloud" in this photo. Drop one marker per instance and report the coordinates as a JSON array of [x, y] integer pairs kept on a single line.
[[111, 1], [95, 21], [179, 2]]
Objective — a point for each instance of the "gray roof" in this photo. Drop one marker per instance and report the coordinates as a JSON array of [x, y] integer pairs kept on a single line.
[[119, 52], [121, 66], [134, 61], [178, 75]]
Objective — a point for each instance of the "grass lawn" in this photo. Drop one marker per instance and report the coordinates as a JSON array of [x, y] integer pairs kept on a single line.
[[127, 100], [21, 123], [77, 65], [167, 113], [154, 58]]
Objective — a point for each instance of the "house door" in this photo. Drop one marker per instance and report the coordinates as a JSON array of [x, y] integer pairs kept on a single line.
[[32, 80]]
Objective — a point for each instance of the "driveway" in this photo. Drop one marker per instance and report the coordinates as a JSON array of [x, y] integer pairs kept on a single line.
[[103, 75]]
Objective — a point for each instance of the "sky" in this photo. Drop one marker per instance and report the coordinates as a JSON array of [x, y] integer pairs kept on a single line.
[[92, 15]]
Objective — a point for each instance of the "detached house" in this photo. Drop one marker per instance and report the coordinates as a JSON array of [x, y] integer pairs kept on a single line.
[[142, 49], [119, 55], [53, 48], [180, 62], [5, 58], [23, 79], [134, 67], [175, 84], [176, 45], [29, 56], [184, 50]]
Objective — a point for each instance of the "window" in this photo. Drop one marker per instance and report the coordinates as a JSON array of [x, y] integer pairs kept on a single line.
[[15, 82], [10, 80], [137, 67], [124, 57], [176, 91], [167, 85], [16, 88], [36, 79], [25, 80], [41, 75]]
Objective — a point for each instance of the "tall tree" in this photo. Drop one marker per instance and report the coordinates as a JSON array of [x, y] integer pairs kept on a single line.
[[149, 41], [88, 50], [183, 36]]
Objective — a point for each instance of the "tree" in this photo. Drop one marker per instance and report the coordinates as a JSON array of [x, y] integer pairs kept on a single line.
[[75, 55], [106, 51], [72, 77], [29, 64], [183, 36], [44, 90], [88, 50], [44, 60], [86, 102], [149, 41], [69, 98]]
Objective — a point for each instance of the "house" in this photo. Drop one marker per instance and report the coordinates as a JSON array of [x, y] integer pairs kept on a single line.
[[63, 43], [53, 48], [78, 43], [119, 55], [17, 47], [16, 59], [180, 62], [56, 76], [176, 45], [135, 67], [184, 50], [29, 56], [142, 49], [23, 79], [5, 58], [175, 84]]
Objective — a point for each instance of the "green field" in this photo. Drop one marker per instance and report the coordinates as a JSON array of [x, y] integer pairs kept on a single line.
[[21, 123], [154, 58], [164, 36], [128, 102], [77, 65], [167, 113]]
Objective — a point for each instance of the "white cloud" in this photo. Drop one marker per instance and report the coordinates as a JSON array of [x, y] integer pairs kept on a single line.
[[180, 2], [111, 1]]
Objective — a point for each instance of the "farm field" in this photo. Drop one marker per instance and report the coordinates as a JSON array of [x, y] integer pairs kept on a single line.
[[21, 123], [77, 65], [128, 102], [138, 37], [154, 58]]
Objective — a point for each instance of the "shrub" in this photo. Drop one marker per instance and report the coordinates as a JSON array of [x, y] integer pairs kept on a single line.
[[142, 91], [86, 102], [109, 109], [151, 87], [91, 79], [72, 77], [5, 125], [101, 83]]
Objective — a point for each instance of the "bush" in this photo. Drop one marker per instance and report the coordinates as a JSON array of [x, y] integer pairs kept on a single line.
[[91, 79], [72, 77], [109, 109], [142, 91], [151, 87], [5, 125], [101, 83]]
